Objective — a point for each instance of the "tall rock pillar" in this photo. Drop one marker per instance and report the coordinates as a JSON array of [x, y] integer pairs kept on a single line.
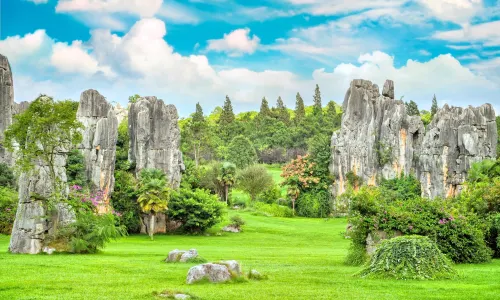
[[6, 103]]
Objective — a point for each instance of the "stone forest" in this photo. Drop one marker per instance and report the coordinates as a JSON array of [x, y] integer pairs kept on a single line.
[[370, 199]]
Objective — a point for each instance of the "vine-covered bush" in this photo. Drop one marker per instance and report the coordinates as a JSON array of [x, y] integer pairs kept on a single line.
[[314, 204], [197, 210], [408, 257], [8, 208]]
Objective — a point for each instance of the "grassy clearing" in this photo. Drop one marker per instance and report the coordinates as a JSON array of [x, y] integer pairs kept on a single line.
[[302, 257]]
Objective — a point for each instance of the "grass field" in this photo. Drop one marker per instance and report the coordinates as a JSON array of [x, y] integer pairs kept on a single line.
[[302, 257]]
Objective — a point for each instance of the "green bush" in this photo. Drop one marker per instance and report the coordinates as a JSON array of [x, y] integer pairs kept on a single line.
[[237, 221], [124, 200], [408, 257], [270, 195], [402, 188], [254, 180], [273, 210], [8, 208], [197, 210], [75, 168], [7, 178], [314, 204]]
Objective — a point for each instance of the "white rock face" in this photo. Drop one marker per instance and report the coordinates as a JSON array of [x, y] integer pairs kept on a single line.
[[6, 103], [210, 271], [98, 146]]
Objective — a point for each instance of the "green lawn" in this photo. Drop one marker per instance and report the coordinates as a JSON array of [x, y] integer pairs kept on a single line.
[[303, 258]]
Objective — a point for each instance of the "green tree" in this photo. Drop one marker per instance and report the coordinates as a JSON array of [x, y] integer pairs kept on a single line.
[[44, 131], [134, 98], [319, 155], [153, 195], [227, 114], [300, 111], [241, 152], [7, 178], [434, 107], [254, 180], [75, 168], [282, 111], [264, 108], [318, 108], [196, 134], [498, 144], [412, 108], [227, 178], [122, 146]]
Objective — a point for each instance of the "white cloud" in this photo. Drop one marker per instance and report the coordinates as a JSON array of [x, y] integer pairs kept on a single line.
[[456, 11], [135, 7], [235, 43], [424, 52], [75, 59], [334, 7], [486, 33], [463, 47], [17, 47], [468, 57], [176, 13], [39, 1]]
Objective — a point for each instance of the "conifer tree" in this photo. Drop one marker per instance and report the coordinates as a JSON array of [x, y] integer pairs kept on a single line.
[[300, 111], [264, 108], [283, 114], [317, 101], [412, 108], [434, 107], [227, 115]]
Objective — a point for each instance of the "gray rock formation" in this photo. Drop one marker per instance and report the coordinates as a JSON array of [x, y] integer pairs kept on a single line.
[[121, 113], [456, 138], [98, 146], [377, 138], [34, 221], [211, 271], [6, 103], [18, 108], [181, 255], [155, 138]]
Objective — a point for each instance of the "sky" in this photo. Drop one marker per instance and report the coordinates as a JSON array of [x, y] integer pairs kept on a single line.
[[192, 51]]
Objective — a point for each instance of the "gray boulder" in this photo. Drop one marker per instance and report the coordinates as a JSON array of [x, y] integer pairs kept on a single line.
[[181, 255], [212, 272], [155, 138], [231, 228], [6, 103], [98, 146], [232, 265], [456, 138]]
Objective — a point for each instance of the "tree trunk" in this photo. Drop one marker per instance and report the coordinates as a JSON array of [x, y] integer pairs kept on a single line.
[[152, 226], [226, 191], [293, 206], [196, 156]]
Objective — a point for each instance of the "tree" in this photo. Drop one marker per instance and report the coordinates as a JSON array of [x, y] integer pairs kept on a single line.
[[153, 195], [44, 131], [412, 108], [196, 133], [300, 111], [434, 107], [7, 178], [254, 180], [241, 152], [134, 98], [283, 114], [227, 178], [264, 108], [320, 152], [332, 117], [227, 115], [318, 108]]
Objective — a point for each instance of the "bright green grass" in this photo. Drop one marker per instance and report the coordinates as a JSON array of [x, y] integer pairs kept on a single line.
[[303, 258]]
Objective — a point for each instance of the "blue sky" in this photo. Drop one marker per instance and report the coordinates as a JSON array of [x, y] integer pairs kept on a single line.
[[200, 50]]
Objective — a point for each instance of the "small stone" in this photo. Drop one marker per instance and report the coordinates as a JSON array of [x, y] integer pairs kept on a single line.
[[210, 271], [182, 296], [231, 228], [48, 250]]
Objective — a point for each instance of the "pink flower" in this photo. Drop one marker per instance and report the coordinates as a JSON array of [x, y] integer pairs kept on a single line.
[[8, 209], [76, 187], [410, 227], [442, 221]]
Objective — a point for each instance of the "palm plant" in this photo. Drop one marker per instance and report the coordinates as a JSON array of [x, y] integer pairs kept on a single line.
[[154, 195], [227, 177]]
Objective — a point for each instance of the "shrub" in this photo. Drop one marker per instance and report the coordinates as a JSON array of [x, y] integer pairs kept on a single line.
[[314, 204], [197, 210], [7, 178], [237, 221], [270, 195], [254, 180], [402, 188], [8, 208], [75, 168], [273, 210], [241, 202], [408, 257], [124, 200], [241, 152]]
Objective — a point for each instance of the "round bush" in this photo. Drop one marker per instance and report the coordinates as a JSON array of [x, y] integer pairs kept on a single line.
[[408, 257]]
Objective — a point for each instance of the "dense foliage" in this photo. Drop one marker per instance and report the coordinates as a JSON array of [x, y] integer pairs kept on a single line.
[[75, 168], [8, 208], [196, 210], [7, 178], [254, 180], [408, 257], [124, 200], [241, 152]]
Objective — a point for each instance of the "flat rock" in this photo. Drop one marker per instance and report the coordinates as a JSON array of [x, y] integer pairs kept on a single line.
[[231, 228], [181, 255], [212, 272]]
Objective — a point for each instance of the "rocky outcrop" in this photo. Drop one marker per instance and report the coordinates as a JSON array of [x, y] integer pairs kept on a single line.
[[379, 140], [455, 139], [35, 222], [181, 255], [155, 138], [121, 113], [98, 145], [19, 108], [6, 103]]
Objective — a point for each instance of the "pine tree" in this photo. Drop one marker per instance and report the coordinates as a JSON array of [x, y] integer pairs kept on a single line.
[[317, 101], [198, 115], [300, 111], [412, 108], [283, 114], [264, 108], [434, 107], [331, 108], [227, 115]]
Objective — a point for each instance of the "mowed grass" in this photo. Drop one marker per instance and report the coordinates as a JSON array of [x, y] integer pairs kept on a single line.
[[302, 257]]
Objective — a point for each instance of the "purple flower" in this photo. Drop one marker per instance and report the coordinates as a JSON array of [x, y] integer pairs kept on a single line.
[[451, 218], [8, 209], [442, 221], [76, 187], [410, 227]]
